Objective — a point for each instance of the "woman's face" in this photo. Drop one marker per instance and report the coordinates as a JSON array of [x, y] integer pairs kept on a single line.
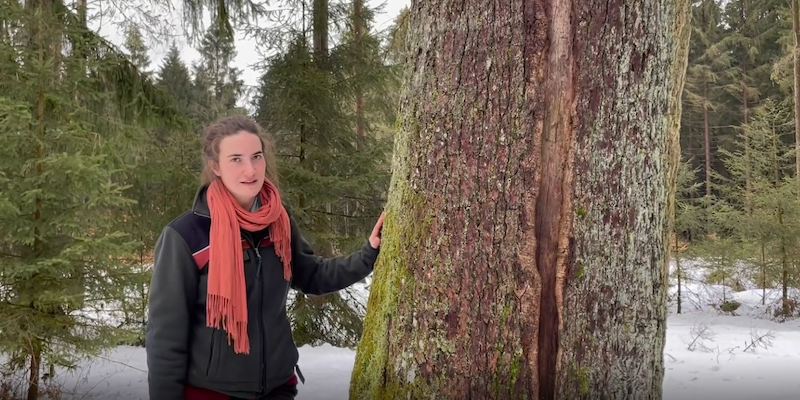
[[241, 166]]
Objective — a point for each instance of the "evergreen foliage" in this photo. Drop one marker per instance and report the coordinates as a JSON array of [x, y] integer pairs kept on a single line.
[[63, 266], [217, 84], [770, 224], [331, 117], [85, 131], [174, 79], [137, 49], [738, 92]]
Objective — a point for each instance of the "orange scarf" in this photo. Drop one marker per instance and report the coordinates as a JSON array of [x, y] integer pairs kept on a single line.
[[226, 306]]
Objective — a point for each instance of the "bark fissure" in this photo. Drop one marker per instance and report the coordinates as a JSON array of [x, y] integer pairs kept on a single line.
[[553, 210]]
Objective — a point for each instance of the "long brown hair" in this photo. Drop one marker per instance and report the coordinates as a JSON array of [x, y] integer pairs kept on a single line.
[[227, 126]]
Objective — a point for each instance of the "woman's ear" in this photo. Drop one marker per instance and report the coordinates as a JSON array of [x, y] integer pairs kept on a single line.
[[214, 167]]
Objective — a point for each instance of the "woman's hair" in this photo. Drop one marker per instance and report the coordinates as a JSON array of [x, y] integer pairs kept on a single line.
[[232, 125]]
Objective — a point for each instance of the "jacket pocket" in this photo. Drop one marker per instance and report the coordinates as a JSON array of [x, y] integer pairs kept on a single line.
[[227, 367]]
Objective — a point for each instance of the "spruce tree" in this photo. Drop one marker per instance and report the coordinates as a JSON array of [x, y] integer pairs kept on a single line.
[[73, 110], [62, 195], [688, 222], [137, 49], [217, 84], [707, 74], [331, 113], [770, 226], [175, 81]]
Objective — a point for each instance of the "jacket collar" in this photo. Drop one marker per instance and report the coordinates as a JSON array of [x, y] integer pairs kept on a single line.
[[200, 206]]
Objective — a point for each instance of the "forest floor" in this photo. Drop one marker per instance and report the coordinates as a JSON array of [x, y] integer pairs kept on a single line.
[[709, 354]]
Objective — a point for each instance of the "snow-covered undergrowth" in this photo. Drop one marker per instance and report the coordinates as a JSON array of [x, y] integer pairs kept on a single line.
[[709, 354], [715, 353]]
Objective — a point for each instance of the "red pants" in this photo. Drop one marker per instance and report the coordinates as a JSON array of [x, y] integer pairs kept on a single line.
[[286, 391]]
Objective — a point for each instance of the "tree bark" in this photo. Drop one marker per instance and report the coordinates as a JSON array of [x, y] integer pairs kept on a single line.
[[526, 241], [320, 26], [33, 370]]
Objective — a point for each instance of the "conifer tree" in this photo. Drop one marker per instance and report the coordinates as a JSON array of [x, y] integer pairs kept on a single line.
[[771, 224], [59, 231], [71, 108], [217, 83], [175, 81], [708, 72], [137, 49], [688, 221], [331, 113]]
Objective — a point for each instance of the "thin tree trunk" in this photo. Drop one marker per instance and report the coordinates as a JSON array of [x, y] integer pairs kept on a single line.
[[746, 120], [33, 369], [82, 12], [784, 271], [724, 291], [359, 30], [522, 190], [707, 141], [320, 26], [763, 275], [301, 201], [679, 273], [44, 51], [796, 31]]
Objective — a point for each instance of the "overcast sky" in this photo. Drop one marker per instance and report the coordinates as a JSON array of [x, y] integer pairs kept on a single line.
[[247, 55]]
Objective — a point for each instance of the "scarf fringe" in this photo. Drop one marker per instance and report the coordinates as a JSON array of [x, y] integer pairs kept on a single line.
[[217, 308], [226, 302]]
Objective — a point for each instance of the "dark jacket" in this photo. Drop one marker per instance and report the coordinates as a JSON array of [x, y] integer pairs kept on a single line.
[[182, 350]]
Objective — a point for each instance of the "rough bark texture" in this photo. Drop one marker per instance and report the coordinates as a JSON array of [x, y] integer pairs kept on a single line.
[[525, 247]]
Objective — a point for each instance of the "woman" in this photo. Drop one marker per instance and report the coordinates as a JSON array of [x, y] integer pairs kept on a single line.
[[217, 326]]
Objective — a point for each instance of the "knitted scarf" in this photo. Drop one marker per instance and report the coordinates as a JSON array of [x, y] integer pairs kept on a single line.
[[226, 304]]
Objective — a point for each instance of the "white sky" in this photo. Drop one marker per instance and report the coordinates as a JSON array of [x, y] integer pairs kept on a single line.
[[247, 55]]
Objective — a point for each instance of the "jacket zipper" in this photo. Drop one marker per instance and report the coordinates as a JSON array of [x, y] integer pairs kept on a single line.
[[260, 318]]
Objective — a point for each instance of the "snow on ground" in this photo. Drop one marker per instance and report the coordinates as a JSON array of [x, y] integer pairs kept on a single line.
[[719, 368], [726, 362], [121, 373]]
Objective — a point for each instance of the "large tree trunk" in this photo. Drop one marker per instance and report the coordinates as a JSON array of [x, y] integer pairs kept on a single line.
[[524, 251]]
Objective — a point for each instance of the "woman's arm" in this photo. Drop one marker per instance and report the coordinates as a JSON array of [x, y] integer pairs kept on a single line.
[[316, 275], [173, 291]]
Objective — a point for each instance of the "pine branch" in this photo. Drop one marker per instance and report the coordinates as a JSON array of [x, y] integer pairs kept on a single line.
[[340, 215]]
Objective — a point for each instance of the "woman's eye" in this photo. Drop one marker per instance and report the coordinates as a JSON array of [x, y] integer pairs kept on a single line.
[[236, 159], [258, 156]]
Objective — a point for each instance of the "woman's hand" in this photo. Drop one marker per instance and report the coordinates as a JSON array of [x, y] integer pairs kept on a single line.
[[375, 237]]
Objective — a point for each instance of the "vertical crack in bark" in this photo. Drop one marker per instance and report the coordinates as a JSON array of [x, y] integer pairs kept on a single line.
[[553, 205]]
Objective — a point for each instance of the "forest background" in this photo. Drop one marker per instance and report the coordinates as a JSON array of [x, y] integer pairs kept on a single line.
[[99, 150]]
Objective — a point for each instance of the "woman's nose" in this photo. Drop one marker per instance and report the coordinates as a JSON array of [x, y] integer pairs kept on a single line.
[[249, 168]]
